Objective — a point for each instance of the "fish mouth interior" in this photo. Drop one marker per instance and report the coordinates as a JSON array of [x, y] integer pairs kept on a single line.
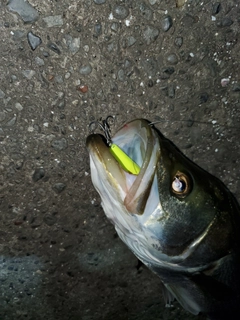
[[138, 141], [133, 139]]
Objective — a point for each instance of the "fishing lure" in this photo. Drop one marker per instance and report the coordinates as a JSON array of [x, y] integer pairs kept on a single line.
[[121, 157]]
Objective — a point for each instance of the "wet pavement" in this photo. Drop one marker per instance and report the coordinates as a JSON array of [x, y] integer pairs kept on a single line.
[[64, 64]]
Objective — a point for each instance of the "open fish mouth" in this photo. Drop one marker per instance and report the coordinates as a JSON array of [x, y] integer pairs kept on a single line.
[[140, 143], [130, 202]]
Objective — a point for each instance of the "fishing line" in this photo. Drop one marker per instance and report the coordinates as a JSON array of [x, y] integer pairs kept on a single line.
[[213, 123], [128, 164]]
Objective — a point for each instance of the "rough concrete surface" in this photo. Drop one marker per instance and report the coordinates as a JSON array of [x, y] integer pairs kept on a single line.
[[64, 64]]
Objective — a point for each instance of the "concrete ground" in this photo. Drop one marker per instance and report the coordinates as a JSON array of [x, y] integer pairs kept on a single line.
[[64, 64]]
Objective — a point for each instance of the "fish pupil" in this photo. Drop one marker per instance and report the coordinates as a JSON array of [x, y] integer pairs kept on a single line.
[[181, 184], [178, 185]]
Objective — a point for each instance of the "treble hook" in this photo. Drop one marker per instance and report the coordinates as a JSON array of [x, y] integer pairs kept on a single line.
[[120, 156], [104, 126]]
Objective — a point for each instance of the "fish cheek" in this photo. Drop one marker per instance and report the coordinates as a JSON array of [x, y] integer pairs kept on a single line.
[[186, 216], [181, 221]]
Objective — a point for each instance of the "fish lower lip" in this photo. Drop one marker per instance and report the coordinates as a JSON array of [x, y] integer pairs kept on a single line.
[[100, 155]]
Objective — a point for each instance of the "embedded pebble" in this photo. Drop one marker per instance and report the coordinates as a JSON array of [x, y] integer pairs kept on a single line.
[[52, 46], [150, 34], [24, 9], [12, 121], [216, 8], [2, 116], [150, 83], [61, 104], [67, 75], [99, 1], [178, 41], [180, 3], [59, 78], [45, 54], [166, 23], [36, 221], [73, 44], [120, 12], [86, 48], [225, 82], [171, 91], [1, 133], [59, 144], [115, 26], [169, 70], [130, 41], [113, 86], [50, 219], [18, 106], [85, 69], [18, 34], [172, 58], [225, 22], [127, 63], [33, 40], [150, 66], [111, 46], [39, 61], [13, 78], [59, 187], [98, 29], [53, 21], [236, 87], [147, 13], [2, 94], [83, 89], [203, 97], [38, 174], [121, 75], [28, 74]]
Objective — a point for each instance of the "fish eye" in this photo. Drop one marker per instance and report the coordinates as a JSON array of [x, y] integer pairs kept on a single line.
[[181, 185]]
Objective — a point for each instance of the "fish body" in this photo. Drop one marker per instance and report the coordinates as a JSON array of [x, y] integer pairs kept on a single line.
[[179, 220]]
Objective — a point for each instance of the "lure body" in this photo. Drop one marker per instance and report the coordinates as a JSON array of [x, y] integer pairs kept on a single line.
[[124, 160]]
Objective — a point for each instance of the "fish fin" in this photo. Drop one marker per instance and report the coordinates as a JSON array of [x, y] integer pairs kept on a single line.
[[167, 296], [198, 291], [184, 298]]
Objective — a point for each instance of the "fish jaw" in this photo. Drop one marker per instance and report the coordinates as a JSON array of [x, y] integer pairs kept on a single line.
[[128, 200], [116, 186]]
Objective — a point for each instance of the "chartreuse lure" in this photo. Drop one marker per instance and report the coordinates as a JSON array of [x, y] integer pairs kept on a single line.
[[121, 157], [124, 160]]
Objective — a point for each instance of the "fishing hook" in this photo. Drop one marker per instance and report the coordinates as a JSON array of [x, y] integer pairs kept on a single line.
[[104, 126]]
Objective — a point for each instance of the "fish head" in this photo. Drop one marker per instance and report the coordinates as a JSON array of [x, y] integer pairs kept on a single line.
[[173, 212]]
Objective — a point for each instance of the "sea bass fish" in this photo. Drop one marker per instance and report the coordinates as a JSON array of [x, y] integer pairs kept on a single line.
[[179, 220]]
